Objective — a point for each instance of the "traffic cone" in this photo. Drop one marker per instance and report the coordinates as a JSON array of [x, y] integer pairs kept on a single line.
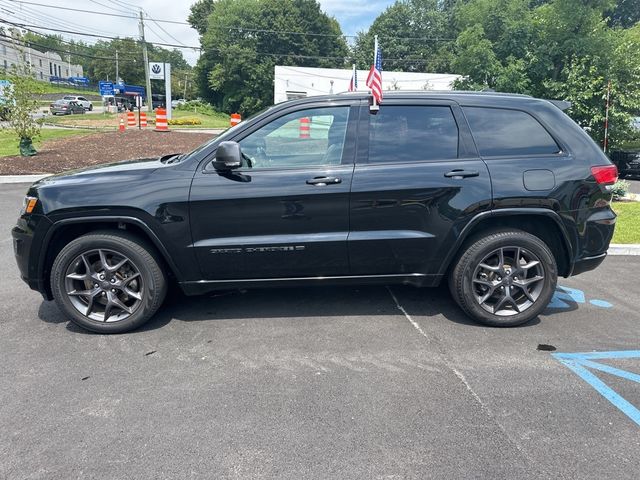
[[161, 121], [121, 127], [305, 128]]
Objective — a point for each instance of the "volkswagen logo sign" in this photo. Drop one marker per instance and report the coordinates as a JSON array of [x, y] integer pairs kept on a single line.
[[156, 68]]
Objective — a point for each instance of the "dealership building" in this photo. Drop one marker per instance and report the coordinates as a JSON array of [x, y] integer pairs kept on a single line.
[[299, 82]]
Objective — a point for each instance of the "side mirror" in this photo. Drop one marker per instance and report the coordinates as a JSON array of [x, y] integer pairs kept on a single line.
[[228, 156]]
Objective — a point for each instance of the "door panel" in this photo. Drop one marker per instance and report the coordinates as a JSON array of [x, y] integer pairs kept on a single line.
[[410, 199], [287, 216]]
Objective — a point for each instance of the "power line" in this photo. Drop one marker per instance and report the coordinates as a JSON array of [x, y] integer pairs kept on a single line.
[[38, 17], [289, 55], [239, 29]]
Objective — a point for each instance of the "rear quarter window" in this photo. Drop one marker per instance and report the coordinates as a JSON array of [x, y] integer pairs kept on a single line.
[[500, 132]]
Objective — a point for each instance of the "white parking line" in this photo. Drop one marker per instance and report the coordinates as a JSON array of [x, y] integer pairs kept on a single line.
[[411, 320]]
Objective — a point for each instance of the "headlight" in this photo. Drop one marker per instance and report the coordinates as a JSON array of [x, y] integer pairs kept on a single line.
[[28, 205]]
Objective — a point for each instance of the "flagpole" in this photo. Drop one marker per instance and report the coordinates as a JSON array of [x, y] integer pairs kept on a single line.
[[353, 76], [375, 58]]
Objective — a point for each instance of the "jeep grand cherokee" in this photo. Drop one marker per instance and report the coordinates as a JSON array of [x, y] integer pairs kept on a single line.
[[497, 194]]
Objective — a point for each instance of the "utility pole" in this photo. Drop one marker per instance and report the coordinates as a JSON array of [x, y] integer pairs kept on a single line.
[[186, 80], [117, 68], [145, 56]]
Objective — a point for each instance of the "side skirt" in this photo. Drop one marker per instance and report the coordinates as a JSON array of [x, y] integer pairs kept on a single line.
[[415, 279]]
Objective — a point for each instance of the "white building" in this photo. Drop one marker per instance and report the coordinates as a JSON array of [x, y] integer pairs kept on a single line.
[[45, 65], [297, 82]]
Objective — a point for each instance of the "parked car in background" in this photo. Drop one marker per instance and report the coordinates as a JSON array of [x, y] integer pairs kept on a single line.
[[86, 104], [65, 107], [178, 102]]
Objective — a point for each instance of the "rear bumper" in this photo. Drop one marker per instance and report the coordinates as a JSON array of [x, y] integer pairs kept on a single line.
[[588, 263]]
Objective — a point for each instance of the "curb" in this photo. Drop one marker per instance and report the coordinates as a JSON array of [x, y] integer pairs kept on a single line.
[[23, 178], [624, 249]]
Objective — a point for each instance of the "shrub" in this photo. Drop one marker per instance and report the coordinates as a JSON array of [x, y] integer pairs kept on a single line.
[[620, 189], [185, 121]]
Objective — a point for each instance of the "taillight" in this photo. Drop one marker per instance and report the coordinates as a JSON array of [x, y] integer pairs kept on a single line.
[[605, 174]]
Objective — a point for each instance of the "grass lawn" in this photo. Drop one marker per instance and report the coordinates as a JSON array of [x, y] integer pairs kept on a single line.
[[628, 223], [9, 143], [217, 120], [110, 120]]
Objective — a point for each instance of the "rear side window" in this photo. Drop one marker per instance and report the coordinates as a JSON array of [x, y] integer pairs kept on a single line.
[[501, 132], [411, 133]]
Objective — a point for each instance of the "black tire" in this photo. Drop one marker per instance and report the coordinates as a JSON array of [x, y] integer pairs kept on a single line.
[[150, 284], [470, 284], [90, 107]]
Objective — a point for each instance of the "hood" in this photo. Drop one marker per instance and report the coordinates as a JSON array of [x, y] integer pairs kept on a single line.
[[124, 168]]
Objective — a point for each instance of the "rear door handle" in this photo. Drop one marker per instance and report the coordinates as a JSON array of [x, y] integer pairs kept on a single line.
[[323, 181], [460, 173]]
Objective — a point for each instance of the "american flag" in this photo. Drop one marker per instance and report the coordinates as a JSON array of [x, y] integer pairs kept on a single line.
[[374, 80], [353, 83]]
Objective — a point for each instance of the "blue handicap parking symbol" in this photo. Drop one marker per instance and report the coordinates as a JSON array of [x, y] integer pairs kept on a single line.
[[563, 297], [583, 364]]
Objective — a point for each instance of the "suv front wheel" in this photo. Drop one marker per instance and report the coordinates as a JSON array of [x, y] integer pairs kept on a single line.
[[108, 282], [505, 278]]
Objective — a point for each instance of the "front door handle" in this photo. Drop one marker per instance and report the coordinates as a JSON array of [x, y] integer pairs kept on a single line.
[[460, 173], [322, 181]]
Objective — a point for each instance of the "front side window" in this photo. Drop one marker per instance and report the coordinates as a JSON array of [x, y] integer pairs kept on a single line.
[[310, 137], [502, 132], [412, 133]]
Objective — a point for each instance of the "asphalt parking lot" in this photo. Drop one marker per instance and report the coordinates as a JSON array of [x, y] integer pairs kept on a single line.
[[345, 383], [634, 186]]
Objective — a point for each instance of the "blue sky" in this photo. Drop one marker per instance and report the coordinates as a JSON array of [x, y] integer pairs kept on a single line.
[[355, 15]]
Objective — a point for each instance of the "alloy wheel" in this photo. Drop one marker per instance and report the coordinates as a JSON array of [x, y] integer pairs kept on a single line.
[[104, 285], [508, 281]]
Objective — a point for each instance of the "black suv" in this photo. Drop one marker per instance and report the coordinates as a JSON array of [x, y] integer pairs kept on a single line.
[[498, 194]]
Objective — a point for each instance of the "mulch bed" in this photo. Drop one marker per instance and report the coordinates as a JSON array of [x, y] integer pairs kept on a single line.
[[68, 153]]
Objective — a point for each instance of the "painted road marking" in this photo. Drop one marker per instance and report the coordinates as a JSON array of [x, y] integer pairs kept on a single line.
[[563, 297], [582, 364]]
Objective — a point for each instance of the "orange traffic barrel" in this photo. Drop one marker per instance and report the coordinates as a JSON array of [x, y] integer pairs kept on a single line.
[[131, 119], [161, 120], [235, 119], [143, 120], [305, 127]]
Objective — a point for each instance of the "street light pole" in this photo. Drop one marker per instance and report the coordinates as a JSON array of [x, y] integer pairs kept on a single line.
[[145, 56], [117, 67]]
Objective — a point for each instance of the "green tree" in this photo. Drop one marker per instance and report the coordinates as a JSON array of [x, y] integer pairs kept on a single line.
[[625, 14], [415, 36], [244, 40], [20, 99]]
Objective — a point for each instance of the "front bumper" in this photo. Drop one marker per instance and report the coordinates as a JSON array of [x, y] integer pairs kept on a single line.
[[27, 242]]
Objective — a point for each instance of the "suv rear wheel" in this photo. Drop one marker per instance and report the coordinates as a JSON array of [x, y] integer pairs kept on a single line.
[[505, 278], [108, 282]]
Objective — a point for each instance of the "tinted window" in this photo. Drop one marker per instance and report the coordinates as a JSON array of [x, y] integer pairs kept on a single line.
[[307, 137], [410, 133], [500, 132]]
